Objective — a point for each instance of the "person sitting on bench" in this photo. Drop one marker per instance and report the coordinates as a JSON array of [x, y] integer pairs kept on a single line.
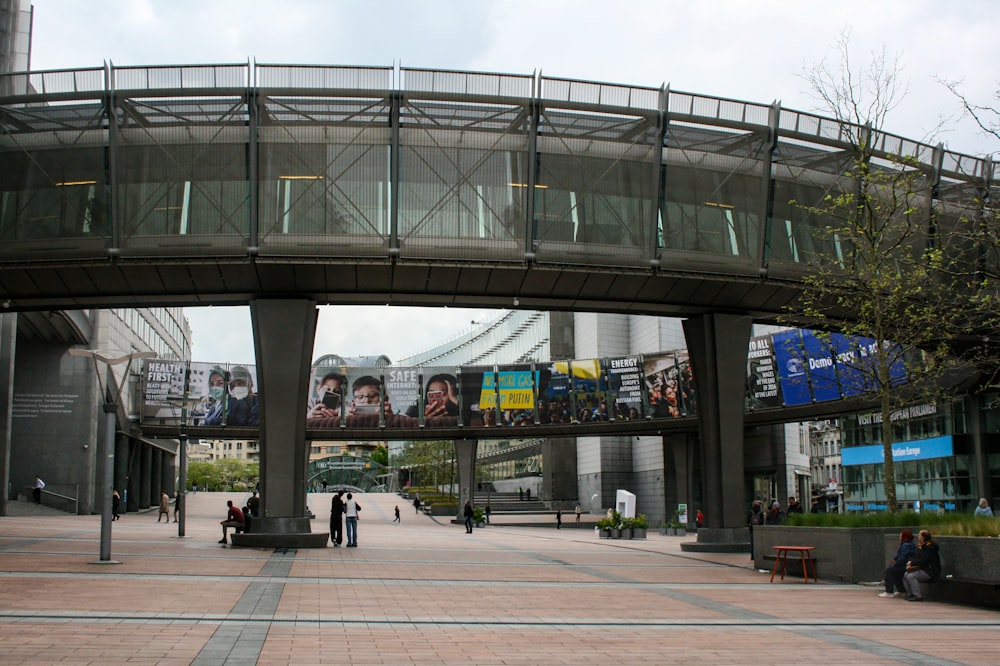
[[233, 519]]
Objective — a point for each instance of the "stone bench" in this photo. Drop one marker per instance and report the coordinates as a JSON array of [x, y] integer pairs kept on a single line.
[[967, 591], [301, 540]]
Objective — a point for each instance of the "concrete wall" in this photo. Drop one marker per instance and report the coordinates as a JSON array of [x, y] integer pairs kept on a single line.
[[55, 422]]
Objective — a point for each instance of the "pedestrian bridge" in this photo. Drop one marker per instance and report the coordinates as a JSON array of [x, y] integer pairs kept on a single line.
[[221, 184], [287, 186]]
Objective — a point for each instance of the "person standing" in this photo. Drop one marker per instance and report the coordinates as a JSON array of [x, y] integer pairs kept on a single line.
[[794, 506], [36, 489], [178, 504], [468, 517], [925, 565], [164, 507], [337, 519], [558, 519], [488, 513], [351, 509], [699, 519], [116, 503], [775, 515], [984, 508], [755, 517], [579, 510], [234, 519], [396, 519]]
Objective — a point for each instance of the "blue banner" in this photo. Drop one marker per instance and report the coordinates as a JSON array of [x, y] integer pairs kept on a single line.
[[791, 367], [921, 449]]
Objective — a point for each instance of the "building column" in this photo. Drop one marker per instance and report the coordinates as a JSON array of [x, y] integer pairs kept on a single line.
[[284, 333], [718, 347], [8, 340], [120, 481], [132, 485], [559, 471], [155, 476], [465, 454], [145, 476]]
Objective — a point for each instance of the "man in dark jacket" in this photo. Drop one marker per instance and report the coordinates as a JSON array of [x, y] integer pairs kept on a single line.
[[337, 519], [923, 566], [468, 517]]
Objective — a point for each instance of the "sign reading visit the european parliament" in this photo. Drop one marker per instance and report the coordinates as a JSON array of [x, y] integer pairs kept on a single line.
[[791, 367]]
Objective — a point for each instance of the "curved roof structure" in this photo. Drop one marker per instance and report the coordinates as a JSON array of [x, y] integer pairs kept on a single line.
[[204, 184]]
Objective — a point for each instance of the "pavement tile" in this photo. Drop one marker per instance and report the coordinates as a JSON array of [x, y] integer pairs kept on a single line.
[[425, 592]]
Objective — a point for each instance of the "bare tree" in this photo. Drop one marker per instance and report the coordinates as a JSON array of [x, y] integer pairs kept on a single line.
[[898, 272], [985, 116]]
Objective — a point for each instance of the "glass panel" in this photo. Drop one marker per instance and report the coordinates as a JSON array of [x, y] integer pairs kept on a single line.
[[461, 202], [463, 180], [183, 171]]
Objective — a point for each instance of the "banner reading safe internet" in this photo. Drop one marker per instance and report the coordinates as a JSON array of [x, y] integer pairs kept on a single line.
[[787, 368]]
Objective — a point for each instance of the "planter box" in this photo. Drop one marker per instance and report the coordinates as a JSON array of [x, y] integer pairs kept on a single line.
[[861, 554], [846, 554], [638, 532]]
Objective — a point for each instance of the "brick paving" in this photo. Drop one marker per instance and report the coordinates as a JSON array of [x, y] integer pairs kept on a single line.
[[425, 592]]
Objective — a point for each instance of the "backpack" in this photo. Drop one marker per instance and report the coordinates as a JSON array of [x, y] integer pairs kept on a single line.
[[756, 518]]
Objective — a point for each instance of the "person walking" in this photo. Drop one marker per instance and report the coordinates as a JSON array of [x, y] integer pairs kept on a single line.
[[488, 512], [116, 503], [178, 504], [337, 519], [36, 489], [164, 507], [984, 509], [579, 510], [351, 510], [558, 519], [468, 517], [416, 504], [396, 519]]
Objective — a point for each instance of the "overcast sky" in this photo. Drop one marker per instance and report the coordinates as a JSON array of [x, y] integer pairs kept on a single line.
[[755, 51]]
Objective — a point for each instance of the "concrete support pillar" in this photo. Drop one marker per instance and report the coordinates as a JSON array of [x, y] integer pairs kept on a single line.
[[718, 347], [559, 471], [465, 454], [8, 340], [284, 332], [678, 459]]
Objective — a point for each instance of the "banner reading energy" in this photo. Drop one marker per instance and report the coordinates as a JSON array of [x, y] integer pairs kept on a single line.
[[625, 377]]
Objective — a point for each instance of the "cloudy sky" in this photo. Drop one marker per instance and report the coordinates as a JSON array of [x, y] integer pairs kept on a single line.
[[742, 49]]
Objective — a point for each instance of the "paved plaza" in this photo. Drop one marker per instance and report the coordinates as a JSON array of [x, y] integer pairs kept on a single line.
[[425, 592]]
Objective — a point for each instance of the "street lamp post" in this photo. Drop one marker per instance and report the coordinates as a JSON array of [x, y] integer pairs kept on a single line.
[[110, 423]]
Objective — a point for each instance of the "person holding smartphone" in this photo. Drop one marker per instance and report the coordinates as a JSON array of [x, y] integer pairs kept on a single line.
[[367, 401], [327, 399], [440, 398]]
